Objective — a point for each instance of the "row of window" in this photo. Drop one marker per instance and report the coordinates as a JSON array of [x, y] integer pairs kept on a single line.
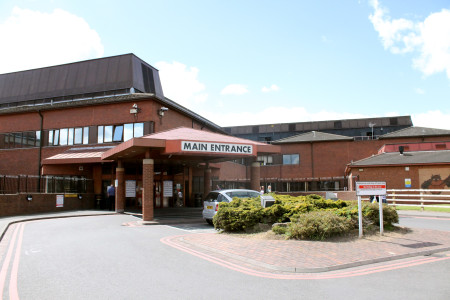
[[68, 136], [285, 159], [73, 136], [20, 139], [119, 133]]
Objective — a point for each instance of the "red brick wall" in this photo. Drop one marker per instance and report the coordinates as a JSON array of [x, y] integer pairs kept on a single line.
[[17, 204], [394, 176]]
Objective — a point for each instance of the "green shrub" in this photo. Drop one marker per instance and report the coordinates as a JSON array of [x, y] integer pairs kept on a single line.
[[371, 213], [238, 215], [279, 229], [319, 225]]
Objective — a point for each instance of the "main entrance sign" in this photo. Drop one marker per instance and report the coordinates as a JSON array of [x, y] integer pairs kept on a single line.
[[216, 147]]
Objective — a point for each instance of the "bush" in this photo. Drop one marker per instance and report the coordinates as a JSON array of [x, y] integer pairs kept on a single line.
[[238, 215], [319, 225], [312, 216]]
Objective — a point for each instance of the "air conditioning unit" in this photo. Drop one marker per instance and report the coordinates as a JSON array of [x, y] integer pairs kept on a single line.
[[267, 201]]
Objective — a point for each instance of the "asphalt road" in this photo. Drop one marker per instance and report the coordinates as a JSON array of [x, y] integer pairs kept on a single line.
[[99, 258]]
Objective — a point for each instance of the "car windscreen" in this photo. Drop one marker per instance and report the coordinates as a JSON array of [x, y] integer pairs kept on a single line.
[[242, 194]]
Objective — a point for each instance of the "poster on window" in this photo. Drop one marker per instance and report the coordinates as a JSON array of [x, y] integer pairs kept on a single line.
[[130, 188], [59, 200], [168, 188]]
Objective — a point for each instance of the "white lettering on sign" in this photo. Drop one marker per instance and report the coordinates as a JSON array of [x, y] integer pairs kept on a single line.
[[216, 147], [364, 188]]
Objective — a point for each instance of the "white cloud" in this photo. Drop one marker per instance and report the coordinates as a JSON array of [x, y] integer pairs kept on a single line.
[[33, 39], [432, 119], [419, 91], [180, 83], [429, 40], [234, 89], [272, 88]]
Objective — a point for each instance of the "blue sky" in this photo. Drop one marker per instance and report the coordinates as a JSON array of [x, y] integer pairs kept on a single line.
[[253, 62]]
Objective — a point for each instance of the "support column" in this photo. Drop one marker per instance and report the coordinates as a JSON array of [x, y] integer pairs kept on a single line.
[[147, 194], [207, 182], [120, 189], [255, 174]]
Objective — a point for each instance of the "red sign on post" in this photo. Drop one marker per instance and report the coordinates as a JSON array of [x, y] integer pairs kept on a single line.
[[367, 188]]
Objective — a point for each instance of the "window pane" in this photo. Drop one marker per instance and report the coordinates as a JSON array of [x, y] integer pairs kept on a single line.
[[100, 134], [86, 135], [63, 136], [38, 138], [31, 138], [78, 135], [128, 132], [118, 131], [56, 138], [108, 134], [70, 141], [138, 129], [295, 159], [18, 139], [286, 159], [50, 137]]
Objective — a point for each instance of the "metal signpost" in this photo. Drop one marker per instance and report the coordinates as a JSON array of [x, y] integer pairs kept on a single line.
[[369, 188]]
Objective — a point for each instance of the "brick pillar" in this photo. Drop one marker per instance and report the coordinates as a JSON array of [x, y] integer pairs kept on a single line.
[[147, 195], [120, 190], [255, 174], [207, 182]]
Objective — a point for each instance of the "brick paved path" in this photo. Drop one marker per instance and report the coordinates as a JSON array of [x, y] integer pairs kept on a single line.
[[309, 256]]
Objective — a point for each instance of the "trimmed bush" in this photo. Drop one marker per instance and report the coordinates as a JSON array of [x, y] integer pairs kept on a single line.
[[319, 225]]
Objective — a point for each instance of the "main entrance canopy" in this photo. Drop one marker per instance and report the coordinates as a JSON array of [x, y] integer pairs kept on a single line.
[[184, 146], [189, 144]]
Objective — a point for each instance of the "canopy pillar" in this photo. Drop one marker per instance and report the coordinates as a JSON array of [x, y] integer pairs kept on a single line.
[[147, 194]]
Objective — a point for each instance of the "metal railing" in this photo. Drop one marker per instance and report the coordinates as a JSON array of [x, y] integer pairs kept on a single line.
[[419, 198], [16, 184]]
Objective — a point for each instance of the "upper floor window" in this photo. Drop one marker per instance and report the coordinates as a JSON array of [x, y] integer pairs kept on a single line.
[[265, 159], [119, 133], [291, 159], [68, 136]]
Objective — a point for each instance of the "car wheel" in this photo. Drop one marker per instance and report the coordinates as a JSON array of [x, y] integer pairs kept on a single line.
[[209, 221]]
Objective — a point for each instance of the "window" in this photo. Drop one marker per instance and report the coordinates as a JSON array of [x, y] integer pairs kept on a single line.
[[118, 133], [86, 135], [265, 160], [78, 135], [70, 141], [128, 132], [107, 136], [138, 129], [63, 137], [100, 134], [291, 159], [56, 137]]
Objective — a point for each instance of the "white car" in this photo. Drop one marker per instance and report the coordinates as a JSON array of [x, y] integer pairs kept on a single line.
[[212, 200]]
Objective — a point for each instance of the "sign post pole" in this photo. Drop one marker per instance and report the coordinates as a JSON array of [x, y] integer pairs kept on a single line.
[[381, 214], [360, 217]]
